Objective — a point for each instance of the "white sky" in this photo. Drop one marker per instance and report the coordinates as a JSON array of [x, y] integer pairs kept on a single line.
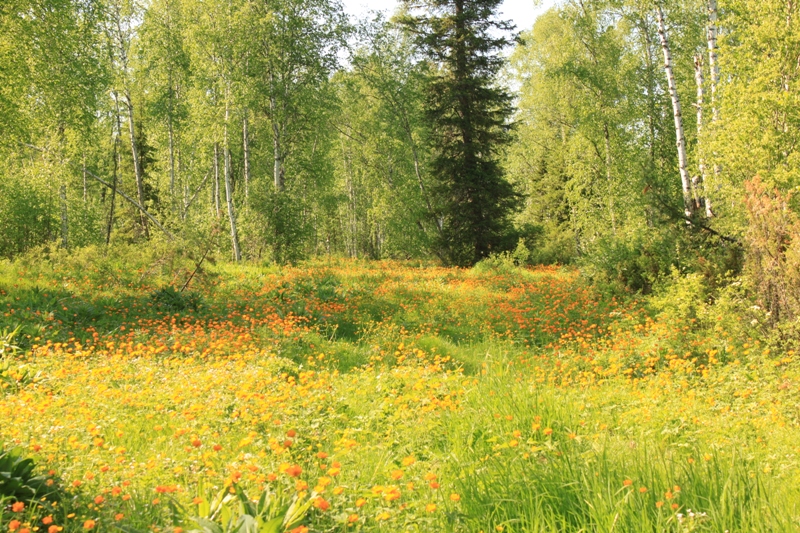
[[522, 12]]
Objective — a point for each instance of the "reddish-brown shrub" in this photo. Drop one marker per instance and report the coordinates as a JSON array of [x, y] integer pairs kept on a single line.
[[773, 250]]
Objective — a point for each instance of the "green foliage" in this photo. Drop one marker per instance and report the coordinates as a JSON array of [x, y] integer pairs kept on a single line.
[[19, 482], [172, 300], [468, 119], [235, 512]]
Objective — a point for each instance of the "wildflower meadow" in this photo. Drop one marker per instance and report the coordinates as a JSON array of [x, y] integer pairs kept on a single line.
[[339, 396]]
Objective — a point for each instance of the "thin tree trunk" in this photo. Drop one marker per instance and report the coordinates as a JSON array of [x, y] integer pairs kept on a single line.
[[701, 164], [607, 138], [215, 191], [62, 192], [130, 200], [713, 65], [171, 158], [246, 150], [651, 87], [276, 150], [676, 110], [137, 162], [237, 254], [113, 190], [85, 190], [117, 134]]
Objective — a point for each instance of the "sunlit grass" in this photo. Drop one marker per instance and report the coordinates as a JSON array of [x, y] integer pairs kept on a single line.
[[391, 397]]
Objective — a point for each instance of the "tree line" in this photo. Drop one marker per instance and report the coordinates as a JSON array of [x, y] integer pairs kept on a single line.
[[282, 129]]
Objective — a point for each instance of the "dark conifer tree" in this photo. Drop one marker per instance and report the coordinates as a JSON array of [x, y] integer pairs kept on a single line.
[[468, 115]]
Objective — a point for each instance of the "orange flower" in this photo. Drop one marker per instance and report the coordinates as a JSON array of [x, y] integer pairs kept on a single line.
[[99, 499], [47, 520], [53, 529], [548, 431], [360, 502], [352, 518], [321, 504], [659, 505], [14, 525], [397, 474], [89, 524], [294, 471], [455, 497], [119, 516], [431, 507], [627, 483], [18, 507]]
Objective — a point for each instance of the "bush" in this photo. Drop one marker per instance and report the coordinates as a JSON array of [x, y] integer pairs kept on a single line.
[[773, 251], [169, 299]]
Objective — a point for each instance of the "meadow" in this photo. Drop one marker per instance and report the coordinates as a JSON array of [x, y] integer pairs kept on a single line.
[[340, 396]]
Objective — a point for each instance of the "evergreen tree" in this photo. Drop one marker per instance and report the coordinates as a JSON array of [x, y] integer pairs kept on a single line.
[[468, 115]]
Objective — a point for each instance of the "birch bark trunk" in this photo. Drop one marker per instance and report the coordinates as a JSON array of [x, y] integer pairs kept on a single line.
[[607, 138], [117, 134], [237, 254], [677, 114], [85, 189], [171, 158], [137, 162], [246, 150], [701, 164], [215, 187], [62, 193], [712, 56]]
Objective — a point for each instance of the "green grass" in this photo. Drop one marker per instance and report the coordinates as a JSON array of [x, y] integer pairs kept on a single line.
[[538, 402]]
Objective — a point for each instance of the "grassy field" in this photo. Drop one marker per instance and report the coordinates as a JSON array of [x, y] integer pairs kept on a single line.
[[355, 396]]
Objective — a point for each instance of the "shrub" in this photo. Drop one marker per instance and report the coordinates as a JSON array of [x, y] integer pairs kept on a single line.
[[170, 299], [773, 251]]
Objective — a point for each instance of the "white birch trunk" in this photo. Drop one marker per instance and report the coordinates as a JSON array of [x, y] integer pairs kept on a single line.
[[701, 164], [171, 158], [85, 189], [246, 150], [712, 56], [137, 163], [215, 187], [237, 254], [277, 172], [62, 192], [607, 137], [676, 109]]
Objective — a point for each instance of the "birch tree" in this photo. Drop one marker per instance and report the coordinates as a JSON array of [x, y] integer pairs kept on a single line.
[[686, 182]]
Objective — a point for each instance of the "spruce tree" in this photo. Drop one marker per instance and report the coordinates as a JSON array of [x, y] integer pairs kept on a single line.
[[468, 115]]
